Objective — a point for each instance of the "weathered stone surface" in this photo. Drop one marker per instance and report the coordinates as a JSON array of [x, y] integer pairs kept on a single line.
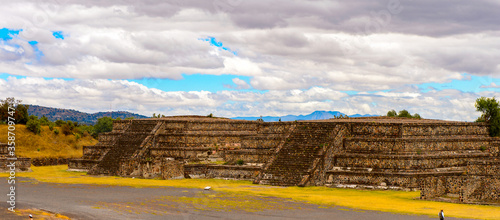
[[21, 164], [437, 157]]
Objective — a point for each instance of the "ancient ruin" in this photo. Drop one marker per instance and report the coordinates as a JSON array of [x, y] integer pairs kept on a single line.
[[455, 160], [21, 163]]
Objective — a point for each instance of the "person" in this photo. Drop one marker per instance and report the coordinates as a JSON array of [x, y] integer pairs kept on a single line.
[[441, 215]]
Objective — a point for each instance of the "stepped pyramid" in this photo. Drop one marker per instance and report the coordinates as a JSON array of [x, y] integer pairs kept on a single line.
[[439, 158]]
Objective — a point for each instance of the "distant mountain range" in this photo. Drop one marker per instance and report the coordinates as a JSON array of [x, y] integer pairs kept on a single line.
[[317, 115], [54, 114]]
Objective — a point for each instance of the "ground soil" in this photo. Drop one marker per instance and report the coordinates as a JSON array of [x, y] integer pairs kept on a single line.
[[118, 202]]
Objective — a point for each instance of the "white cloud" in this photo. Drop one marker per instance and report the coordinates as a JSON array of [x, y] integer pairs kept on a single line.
[[492, 85], [241, 84], [303, 54], [105, 95]]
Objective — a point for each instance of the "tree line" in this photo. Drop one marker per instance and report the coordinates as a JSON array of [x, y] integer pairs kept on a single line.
[[403, 114], [34, 124]]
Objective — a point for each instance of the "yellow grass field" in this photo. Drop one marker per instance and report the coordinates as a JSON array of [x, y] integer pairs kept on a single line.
[[386, 201], [47, 143]]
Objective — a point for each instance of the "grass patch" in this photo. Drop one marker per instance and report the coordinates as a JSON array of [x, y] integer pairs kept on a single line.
[[47, 143], [387, 201], [39, 214], [227, 202]]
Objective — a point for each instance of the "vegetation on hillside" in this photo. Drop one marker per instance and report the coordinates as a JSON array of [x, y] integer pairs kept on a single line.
[[20, 111], [54, 114], [402, 114], [491, 114], [104, 124], [47, 143]]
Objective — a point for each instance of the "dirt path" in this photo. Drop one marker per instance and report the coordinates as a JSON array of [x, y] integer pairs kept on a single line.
[[117, 202]]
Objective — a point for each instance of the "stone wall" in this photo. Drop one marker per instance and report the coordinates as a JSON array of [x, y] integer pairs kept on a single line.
[[398, 145], [21, 164], [247, 155], [49, 161], [445, 129], [81, 164], [482, 183], [95, 152], [387, 163], [221, 171], [430, 155]]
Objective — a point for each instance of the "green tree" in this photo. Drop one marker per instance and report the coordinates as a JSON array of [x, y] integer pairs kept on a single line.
[[85, 130], [392, 113], [21, 111], [33, 125], [59, 122], [404, 113], [45, 121], [104, 124], [491, 113]]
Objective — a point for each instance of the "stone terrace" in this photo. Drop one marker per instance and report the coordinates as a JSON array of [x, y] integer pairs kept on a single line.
[[22, 164], [440, 158]]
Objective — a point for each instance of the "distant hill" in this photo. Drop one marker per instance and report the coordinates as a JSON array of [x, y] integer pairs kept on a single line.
[[54, 114], [317, 115]]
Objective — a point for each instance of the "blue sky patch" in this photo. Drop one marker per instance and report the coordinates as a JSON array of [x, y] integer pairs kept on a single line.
[[4, 76], [214, 42], [194, 82], [58, 34], [470, 83], [350, 92], [6, 34]]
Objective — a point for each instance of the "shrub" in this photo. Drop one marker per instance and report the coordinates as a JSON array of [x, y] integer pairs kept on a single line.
[[392, 113], [59, 122], [66, 129], [491, 113], [240, 162], [404, 113], [56, 131], [44, 120], [104, 124], [51, 127], [34, 126]]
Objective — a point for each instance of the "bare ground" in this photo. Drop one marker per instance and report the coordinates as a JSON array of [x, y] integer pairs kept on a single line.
[[118, 202]]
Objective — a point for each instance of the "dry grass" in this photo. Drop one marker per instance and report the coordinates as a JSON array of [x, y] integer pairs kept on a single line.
[[387, 201], [40, 214], [47, 143]]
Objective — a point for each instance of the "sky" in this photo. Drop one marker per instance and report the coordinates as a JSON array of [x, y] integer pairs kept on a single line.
[[252, 58]]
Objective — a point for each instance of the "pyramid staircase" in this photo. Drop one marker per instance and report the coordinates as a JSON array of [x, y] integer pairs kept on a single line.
[[127, 144], [298, 156]]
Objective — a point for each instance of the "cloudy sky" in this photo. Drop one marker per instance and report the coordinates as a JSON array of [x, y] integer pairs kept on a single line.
[[251, 58]]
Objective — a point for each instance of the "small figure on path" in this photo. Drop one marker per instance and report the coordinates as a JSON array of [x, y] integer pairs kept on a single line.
[[441, 215]]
